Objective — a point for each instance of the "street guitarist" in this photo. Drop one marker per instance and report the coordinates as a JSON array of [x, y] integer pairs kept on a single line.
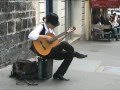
[[63, 51]]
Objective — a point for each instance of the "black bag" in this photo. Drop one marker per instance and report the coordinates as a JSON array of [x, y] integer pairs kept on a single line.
[[24, 69]]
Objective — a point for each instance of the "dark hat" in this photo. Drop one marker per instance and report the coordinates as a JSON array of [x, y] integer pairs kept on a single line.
[[52, 18]]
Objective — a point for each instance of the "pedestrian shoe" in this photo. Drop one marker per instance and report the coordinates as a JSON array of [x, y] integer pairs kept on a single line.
[[78, 55], [117, 39], [60, 78]]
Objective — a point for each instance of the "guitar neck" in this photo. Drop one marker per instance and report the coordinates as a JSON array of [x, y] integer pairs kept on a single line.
[[56, 37], [64, 33]]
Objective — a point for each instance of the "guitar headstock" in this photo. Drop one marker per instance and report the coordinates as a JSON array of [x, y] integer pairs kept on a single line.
[[71, 29], [74, 28]]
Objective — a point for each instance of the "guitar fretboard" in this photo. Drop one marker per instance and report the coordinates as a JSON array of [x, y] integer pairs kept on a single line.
[[64, 33], [56, 37]]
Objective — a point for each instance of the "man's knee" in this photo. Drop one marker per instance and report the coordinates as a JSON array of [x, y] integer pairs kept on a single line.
[[68, 46]]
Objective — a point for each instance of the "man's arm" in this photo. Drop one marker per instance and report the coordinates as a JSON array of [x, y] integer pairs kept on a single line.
[[34, 35]]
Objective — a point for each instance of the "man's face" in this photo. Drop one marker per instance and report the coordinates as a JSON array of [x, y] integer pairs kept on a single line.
[[52, 26]]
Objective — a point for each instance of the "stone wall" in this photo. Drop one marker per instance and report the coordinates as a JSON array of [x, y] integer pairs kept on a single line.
[[17, 19]]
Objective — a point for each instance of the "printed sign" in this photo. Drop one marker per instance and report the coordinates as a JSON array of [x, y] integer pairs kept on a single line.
[[105, 3]]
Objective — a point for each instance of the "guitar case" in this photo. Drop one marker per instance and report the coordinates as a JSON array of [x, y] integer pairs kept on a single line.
[[45, 68]]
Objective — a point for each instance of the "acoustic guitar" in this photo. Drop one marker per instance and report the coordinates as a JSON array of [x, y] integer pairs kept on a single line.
[[43, 46]]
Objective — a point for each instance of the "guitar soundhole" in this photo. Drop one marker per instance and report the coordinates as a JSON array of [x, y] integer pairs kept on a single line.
[[42, 45]]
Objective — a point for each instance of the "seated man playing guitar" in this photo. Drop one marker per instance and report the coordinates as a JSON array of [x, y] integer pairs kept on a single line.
[[46, 44]]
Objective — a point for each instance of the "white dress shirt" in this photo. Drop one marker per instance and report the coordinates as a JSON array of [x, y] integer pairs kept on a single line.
[[34, 35]]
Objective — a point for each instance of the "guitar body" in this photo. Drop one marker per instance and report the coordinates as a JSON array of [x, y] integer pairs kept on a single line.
[[43, 47]]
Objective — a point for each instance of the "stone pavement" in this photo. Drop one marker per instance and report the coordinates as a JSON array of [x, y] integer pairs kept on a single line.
[[85, 74]]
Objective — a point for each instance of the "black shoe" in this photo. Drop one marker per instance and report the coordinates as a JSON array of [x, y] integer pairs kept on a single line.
[[60, 78], [117, 39], [78, 55]]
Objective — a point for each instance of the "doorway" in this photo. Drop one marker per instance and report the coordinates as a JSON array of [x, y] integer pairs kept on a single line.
[[49, 6]]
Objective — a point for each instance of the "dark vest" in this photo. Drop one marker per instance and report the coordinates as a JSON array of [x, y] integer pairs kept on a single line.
[[43, 31]]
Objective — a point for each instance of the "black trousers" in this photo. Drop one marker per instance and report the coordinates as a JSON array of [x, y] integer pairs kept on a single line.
[[64, 51]]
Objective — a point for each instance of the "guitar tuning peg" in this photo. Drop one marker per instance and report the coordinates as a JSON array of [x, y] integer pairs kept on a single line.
[[74, 28]]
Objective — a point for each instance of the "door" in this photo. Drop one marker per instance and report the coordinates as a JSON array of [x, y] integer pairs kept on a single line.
[[49, 6]]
